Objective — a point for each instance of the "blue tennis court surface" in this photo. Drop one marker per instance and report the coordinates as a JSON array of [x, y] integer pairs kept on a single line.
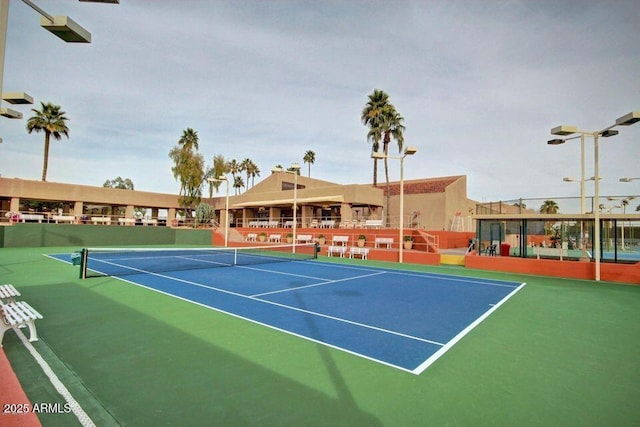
[[402, 319]]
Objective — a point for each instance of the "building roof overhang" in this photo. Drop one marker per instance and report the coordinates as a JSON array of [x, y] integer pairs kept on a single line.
[[287, 202]]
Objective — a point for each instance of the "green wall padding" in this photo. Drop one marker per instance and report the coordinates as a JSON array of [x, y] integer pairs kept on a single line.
[[42, 235]]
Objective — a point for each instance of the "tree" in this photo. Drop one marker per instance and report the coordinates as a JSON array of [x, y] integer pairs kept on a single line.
[[392, 127], [371, 117], [310, 158], [238, 183], [52, 121], [188, 169], [549, 207], [219, 169], [234, 168], [250, 169], [123, 184], [385, 123], [255, 171], [189, 140]]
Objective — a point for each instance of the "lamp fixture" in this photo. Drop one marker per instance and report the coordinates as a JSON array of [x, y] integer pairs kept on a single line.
[[628, 119], [557, 141]]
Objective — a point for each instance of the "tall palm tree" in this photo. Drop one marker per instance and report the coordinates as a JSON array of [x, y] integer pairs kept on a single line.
[[238, 183], [53, 122], [310, 158], [371, 117], [189, 139], [385, 123], [392, 127], [234, 168], [255, 171], [249, 168]]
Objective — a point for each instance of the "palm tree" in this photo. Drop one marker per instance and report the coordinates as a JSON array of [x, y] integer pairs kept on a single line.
[[53, 122], [310, 158], [189, 139], [384, 123], [249, 168], [371, 117], [392, 127], [255, 171], [234, 167], [238, 183], [549, 207]]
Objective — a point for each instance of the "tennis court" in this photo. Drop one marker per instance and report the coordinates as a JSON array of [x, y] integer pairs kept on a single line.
[[405, 320], [559, 352]]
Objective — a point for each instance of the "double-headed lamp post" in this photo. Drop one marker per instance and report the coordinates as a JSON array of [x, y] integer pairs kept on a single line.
[[564, 130], [222, 178], [61, 26], [294, 169], [409, 151]]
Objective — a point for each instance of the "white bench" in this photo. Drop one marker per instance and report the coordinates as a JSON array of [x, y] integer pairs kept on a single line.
[[152, 222], [64, 218], [373, 223], [383, 241], [31, 217], [327, 224], [126, 221], [8, 293], [252, 237], [304, 238], [355, 251], [17, 314], [337, 250], [275, 238], [342, 240]]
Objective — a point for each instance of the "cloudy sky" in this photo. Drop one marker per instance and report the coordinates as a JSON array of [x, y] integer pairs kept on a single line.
[[479, 83]]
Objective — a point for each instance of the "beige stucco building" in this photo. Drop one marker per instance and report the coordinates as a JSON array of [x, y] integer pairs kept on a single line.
[[432, 204]]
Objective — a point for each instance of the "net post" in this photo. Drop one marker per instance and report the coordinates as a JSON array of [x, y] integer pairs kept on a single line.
[[83, 263]]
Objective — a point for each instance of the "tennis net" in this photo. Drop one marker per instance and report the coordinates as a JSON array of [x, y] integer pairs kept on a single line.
[[97, 262]]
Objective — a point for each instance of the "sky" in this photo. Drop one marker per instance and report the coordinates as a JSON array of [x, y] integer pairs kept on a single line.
[[479, 83]]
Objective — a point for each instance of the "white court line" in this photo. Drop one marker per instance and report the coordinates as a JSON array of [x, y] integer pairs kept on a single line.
[[326, 316], [284, 273], [82, 416], [435, 356], [488, 282], [327, 282], [444, 346]]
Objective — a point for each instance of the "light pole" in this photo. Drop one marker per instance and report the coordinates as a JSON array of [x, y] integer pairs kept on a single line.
[[564, 130], [409, 151], [294, 169], [61, 26], [222, 178]]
